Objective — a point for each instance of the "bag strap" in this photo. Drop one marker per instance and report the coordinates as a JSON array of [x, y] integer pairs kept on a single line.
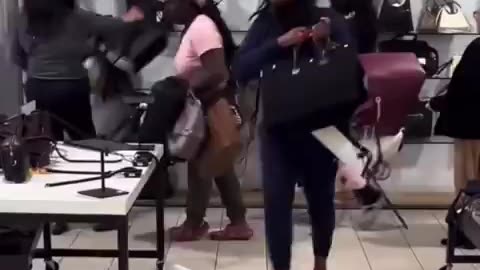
[[443, 67], [400, 36]]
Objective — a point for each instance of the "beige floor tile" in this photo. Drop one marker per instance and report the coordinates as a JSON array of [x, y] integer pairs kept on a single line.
[[245, 255], [88, 239], [347, 251], [424, 236], [201, 255], [142, 232], [387, 248]]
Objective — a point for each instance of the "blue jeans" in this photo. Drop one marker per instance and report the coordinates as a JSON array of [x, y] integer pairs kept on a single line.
[[287, 156]]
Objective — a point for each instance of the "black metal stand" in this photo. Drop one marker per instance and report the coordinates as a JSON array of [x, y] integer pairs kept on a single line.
[[103, 192]]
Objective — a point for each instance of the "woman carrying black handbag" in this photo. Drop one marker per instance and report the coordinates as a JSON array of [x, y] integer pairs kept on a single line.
[[293, 153]]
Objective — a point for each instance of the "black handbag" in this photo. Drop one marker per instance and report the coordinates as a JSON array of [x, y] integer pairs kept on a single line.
[[396, 16], [15, 160], [35, 133], [309, 93], [427, 55], [169, 100], [420, 122]]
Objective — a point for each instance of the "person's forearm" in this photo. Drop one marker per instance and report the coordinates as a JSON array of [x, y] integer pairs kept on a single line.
[[249, 63], [212, 83]]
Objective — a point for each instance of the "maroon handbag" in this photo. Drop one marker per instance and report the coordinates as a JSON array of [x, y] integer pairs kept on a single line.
[[394, 82]]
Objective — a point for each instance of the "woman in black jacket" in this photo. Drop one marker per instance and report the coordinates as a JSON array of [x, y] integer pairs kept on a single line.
[[459, 110], [291, 154]]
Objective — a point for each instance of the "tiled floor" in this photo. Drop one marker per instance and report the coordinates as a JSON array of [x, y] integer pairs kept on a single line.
[[383, 246]]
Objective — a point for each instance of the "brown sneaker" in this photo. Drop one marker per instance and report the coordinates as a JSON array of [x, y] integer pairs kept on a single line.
[[188, 233], [231, 232]]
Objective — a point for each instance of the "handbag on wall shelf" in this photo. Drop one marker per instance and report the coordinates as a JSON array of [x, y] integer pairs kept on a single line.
[[444, 16], [396, 16], [426, 54]]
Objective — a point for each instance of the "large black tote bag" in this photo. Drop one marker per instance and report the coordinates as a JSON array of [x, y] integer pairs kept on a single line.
[[396, 16], [295, 91]]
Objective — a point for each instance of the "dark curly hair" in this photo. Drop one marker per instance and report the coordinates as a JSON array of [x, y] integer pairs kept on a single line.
[[45, 17]]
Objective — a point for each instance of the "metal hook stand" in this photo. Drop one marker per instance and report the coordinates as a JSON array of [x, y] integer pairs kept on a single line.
[[370, 173]]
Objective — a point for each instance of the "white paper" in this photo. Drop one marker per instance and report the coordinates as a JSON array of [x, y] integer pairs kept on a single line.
[[340, 146]]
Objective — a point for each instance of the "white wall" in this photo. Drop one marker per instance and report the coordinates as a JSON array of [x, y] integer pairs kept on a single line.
[[419, 168]]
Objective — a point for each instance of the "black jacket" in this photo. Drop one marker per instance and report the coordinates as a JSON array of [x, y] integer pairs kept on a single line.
[[461, 109]]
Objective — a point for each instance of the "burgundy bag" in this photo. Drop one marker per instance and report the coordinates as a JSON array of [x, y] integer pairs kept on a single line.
[[394, 82]]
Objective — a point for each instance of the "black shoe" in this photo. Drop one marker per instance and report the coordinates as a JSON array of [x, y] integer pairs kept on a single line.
[[103, 227], [59, 228]]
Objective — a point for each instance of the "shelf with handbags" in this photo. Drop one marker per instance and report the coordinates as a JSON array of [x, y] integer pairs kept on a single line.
[[438, 17]]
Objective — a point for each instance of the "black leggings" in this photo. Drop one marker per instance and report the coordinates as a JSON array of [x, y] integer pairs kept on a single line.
[[67, 99], [288, 156]]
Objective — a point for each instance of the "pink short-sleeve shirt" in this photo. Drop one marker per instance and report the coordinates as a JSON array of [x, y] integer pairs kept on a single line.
[[201, 37]]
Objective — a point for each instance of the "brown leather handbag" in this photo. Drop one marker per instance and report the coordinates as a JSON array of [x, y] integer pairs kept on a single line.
[[223, 144]]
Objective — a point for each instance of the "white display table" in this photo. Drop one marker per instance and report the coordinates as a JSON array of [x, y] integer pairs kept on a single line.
[[34, 202]]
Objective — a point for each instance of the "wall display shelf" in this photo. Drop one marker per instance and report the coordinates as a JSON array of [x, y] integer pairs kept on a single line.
[[427, 33], [439, 78]]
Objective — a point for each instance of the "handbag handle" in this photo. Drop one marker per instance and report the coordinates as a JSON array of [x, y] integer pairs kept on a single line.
[[399, 36], [396, 3], [295, 68], [452, 6]]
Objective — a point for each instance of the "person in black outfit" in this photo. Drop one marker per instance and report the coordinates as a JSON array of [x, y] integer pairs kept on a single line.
[[291, 154], [457, 107], [50, 45]]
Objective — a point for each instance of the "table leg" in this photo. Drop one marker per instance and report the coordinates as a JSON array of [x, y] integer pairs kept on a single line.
[[47, 242], [50, 264], [162, 171], [123, 262]]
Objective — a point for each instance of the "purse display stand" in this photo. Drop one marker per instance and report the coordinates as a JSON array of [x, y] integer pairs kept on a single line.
[[354, 154], [456, 221]]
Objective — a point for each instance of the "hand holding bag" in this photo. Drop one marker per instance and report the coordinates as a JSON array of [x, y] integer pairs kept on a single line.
[[224, 142], [396, 16]]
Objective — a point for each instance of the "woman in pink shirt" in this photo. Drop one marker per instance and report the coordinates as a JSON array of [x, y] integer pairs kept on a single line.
[[203, 59]]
